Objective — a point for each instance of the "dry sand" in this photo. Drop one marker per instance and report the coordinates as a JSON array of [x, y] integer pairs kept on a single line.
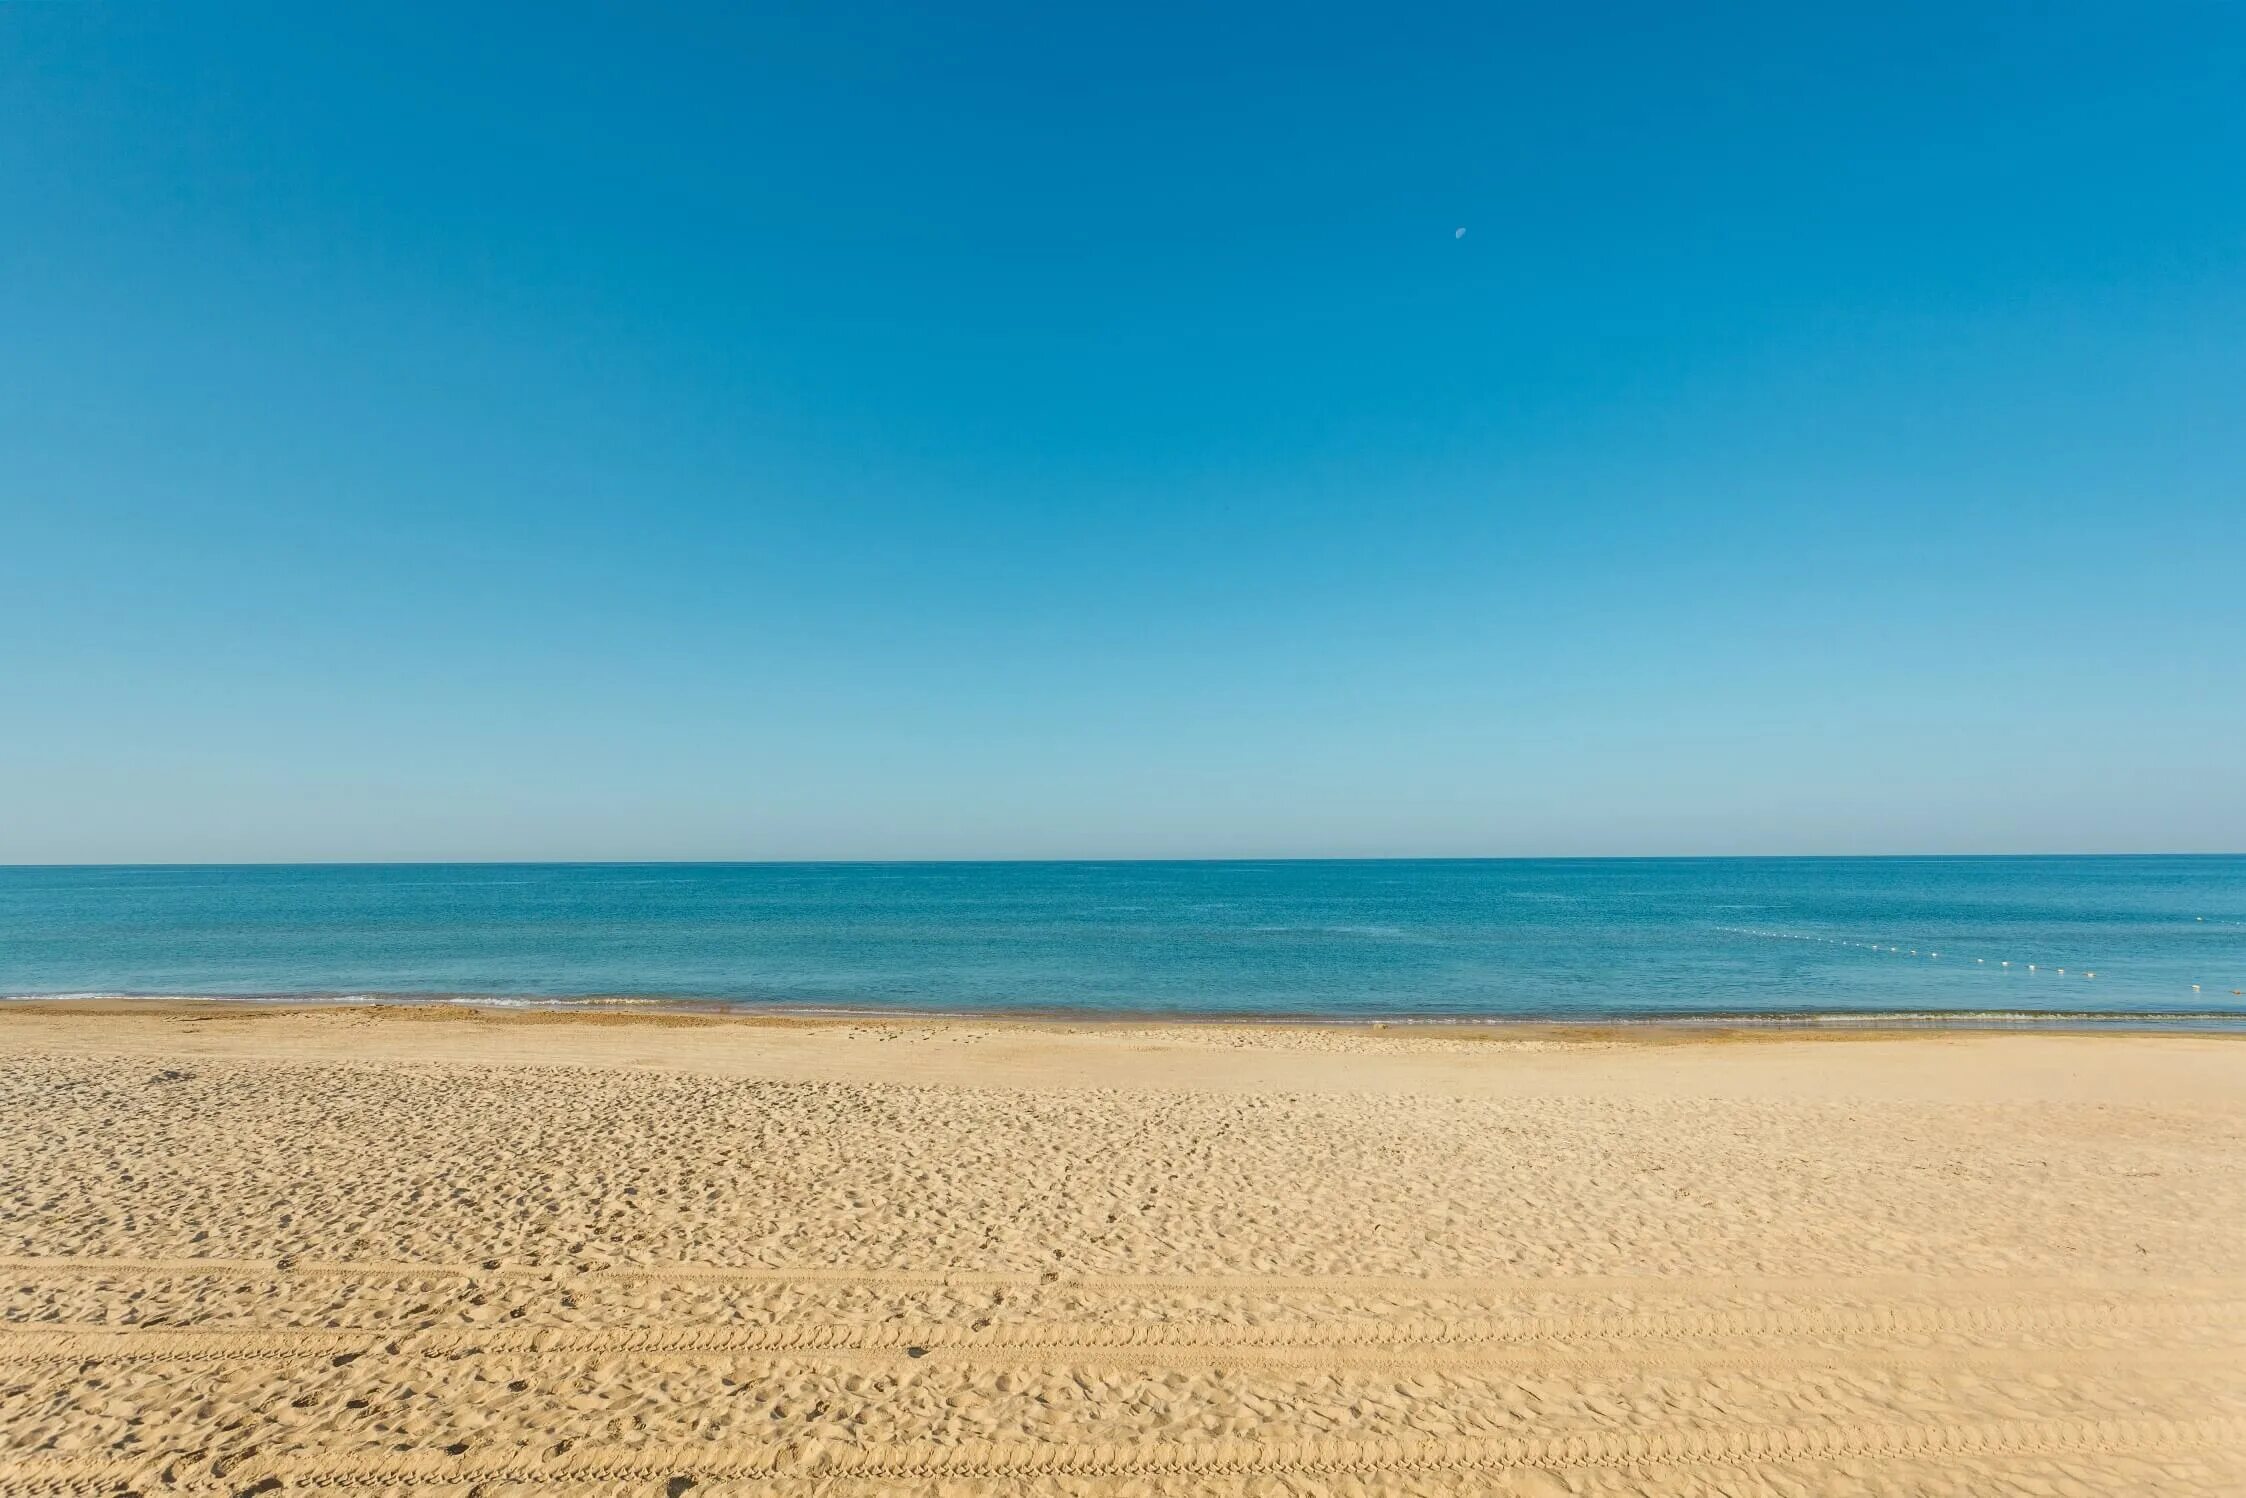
[[438, 1252]]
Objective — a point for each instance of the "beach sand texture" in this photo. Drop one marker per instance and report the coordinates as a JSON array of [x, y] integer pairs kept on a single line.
[[435, 1252]]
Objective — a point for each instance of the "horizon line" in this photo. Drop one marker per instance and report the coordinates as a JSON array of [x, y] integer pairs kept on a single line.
[[876, 862]]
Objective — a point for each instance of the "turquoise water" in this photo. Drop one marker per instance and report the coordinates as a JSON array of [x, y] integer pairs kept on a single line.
[[1566, 938]]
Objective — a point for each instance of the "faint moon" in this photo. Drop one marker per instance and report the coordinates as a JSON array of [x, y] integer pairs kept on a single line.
[[1458, 233]]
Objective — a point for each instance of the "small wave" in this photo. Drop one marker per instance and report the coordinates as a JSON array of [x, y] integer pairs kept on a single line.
[[1390, 932], [121, 997], [138, 998]]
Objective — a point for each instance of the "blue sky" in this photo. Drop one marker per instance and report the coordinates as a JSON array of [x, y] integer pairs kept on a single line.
[[947, 431]]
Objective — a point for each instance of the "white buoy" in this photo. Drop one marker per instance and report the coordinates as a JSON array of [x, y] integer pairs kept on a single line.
[[2089, 975], [2195, 988], [2031, 967], [2004, 964], [2062, 972]]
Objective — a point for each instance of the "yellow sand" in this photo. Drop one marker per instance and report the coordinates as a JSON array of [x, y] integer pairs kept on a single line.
[[436, 1252]]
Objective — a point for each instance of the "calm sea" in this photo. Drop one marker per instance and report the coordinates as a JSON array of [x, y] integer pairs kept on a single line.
[[1566, 938]]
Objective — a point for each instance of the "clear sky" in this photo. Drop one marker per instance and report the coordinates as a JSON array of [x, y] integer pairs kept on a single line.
[[942, 430]]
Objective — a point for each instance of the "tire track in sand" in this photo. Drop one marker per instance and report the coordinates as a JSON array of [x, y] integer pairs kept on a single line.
[[52, 1343], [999, 1460], [290, 1267]]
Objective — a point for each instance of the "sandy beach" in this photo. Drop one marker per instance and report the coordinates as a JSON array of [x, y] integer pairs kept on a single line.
[[442, 1251]]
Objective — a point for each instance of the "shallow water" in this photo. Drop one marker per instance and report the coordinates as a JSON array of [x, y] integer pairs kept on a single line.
[[1440, 938]]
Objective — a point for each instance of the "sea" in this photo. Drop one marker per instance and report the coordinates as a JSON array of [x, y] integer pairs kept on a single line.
[[2092, 939]]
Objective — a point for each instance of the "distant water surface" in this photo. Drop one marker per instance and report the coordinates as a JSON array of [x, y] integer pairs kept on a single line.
[[1429, 939]]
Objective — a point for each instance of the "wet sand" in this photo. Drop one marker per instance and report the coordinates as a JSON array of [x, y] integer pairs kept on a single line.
[[437, 1251]]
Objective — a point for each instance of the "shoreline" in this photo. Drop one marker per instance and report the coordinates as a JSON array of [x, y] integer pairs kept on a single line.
[[2201, 1021]]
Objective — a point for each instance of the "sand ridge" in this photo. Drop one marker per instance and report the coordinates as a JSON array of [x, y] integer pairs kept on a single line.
[[355, 1251]]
